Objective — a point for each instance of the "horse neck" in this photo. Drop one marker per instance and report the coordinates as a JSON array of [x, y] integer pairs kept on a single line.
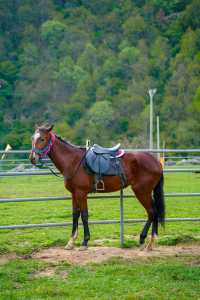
[[63, 156]]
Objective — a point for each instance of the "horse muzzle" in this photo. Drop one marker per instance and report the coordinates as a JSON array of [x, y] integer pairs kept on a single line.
[[34, 158]]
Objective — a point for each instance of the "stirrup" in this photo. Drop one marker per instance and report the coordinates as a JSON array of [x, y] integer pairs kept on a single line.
[[100, 185]]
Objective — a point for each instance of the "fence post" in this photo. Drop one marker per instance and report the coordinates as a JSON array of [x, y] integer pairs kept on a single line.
[[121, 218]]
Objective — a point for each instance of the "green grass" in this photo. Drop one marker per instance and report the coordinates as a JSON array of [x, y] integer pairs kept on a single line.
[[115, 279], [25, 241], [164, 278]]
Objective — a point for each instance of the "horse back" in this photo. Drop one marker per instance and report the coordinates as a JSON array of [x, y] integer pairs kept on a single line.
[[140, 164]]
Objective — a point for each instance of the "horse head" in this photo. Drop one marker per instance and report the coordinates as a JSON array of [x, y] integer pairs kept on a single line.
[[42, 141]]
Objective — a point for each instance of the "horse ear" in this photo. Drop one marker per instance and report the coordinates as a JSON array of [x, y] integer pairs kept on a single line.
[[50, 128]]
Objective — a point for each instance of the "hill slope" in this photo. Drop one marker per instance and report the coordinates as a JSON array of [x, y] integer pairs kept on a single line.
[[87, 66]]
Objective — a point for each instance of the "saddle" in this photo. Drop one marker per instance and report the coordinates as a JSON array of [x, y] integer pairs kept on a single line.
[[102, 161], [100, 150]]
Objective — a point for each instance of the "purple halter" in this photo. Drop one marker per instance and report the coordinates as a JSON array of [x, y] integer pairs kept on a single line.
[[45, 151]]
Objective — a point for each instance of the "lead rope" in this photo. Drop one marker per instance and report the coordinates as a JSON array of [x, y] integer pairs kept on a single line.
[[42, 163]]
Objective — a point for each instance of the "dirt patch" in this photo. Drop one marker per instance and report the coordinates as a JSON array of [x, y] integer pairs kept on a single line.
[[5, 258], [100, 254], [49, 272]]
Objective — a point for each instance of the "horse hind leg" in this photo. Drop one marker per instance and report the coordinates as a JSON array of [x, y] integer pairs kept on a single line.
[[144, 233], [150, 246], [158, 205], [146, 200], [154, 232]]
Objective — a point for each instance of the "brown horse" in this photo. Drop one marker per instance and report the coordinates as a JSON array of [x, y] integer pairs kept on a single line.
[[142, 170]]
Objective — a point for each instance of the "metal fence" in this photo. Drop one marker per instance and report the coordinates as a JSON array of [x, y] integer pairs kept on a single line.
[[121, 221]]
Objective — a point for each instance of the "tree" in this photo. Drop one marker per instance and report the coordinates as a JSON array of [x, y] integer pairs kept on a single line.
[[196, 101], [135, 28], [70, 73], [88, 60], [70, 62], [99, 121], [52, 33], [129, 55]]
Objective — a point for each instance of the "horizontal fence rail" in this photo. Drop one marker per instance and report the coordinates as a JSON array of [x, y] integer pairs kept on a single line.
[[61, 198], [127, 150], [99, 222], [45, 172], [4, 174]]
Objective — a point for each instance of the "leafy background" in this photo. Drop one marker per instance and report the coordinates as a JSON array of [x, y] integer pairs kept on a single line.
[[86, 66]]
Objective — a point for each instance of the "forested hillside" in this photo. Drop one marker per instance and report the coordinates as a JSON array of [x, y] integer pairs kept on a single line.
[[86, 66]]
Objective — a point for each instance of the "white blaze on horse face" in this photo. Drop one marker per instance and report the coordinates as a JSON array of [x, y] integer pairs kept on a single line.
[[35, 138], [35, 155]]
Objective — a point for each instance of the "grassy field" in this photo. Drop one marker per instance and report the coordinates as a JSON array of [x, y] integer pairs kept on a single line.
[[172, 278], [164, 278], [23, 241]]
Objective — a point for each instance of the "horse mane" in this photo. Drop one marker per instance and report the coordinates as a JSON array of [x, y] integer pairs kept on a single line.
[[69, 143], [44, 128]]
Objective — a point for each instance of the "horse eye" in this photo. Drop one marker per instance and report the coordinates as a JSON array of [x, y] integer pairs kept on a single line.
[[42, 139]]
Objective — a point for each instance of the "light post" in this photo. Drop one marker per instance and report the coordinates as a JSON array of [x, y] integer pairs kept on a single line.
[[158, 136], [151, 94]]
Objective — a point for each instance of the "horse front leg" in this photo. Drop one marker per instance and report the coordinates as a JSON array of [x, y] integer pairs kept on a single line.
[[84, 217], [75, 217], [82, 200], [79, 201]]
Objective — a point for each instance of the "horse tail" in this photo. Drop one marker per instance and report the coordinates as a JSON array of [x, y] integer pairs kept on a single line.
[[159, 201]]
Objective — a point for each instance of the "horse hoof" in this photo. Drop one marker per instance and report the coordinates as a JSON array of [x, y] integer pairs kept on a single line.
[[83, 248], [152, 243], [69, 247], [142, 247], [149, 247]]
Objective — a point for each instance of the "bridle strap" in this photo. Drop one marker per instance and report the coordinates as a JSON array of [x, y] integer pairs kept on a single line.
[[66, 177], [45, 151]]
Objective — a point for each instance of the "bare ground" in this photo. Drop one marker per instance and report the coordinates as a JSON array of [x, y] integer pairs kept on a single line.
[[5, 258], [100, 254], [56, 255]]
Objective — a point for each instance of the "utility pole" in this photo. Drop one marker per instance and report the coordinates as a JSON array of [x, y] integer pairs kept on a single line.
[[151, 94], [158, 136]]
